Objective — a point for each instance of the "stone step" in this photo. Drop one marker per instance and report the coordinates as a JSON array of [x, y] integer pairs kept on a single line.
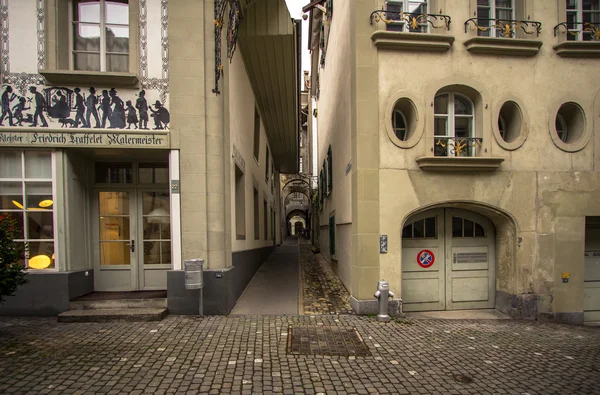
[[105, 315], [150, 303]]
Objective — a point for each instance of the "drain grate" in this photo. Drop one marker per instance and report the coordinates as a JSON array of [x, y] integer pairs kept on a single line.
[[462, 378], [326, 340]]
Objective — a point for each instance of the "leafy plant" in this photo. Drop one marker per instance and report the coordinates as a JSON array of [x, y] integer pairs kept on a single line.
[[12, 274]]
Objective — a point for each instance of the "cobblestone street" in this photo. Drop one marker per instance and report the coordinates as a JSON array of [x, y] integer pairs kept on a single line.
[[246, 354]]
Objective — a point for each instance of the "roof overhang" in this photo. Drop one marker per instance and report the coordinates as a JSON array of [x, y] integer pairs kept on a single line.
[[269, 41]]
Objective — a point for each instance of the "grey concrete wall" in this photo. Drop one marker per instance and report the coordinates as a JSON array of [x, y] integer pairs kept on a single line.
[[48, 293], [222, 288]]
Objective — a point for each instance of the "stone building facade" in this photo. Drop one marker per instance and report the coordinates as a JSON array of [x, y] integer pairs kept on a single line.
[[137, 134], [460, 148]]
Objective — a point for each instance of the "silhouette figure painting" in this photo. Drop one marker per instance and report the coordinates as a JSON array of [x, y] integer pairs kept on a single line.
[[131, 115], [7, 97], [117, 116], [18, 111], [60, 109], [40, 104], [161, 116], [142, 105], [105, 106], [91, 102], [80, 109]]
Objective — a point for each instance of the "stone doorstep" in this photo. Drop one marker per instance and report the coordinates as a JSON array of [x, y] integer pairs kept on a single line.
[[153, 303], [106, 315]]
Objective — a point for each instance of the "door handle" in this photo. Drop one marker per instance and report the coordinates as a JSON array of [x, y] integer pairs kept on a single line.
[[132, 245]]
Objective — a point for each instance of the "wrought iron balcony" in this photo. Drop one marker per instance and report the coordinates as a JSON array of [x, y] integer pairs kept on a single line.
[[456, 146], [506, 27], [414, 22], [579, 27]]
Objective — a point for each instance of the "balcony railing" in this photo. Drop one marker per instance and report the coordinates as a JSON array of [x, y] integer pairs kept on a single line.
[[456, 146], [506, 27], [415, 22], [579, 27]]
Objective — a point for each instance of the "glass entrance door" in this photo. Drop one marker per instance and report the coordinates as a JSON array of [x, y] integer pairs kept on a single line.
[[116, 241], [155, 246]]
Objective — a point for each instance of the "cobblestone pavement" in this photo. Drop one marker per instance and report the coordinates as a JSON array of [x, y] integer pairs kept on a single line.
[[323, 292], [247, 355]]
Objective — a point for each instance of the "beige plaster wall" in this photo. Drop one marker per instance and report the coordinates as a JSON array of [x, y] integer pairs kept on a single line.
[[241, 126], [545, 190], [334, 122]]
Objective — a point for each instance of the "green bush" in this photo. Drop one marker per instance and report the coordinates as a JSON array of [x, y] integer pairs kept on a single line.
[[12, 274]]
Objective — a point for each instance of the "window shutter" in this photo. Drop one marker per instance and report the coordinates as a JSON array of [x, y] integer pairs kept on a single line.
[[329, 170]]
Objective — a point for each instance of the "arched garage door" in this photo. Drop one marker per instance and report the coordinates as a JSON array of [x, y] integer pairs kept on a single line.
[[448, 261]]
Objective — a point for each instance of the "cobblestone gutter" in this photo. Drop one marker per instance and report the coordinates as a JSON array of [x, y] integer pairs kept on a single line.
[[323, 292]]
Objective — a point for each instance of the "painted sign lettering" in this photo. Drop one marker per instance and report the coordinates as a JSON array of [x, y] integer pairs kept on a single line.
[[83, 139], [470, 257]]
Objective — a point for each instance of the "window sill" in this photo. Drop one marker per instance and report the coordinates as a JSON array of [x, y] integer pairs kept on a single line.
[[444, 163], [90, 78], [402, 41], [503, 46], [578, 49]]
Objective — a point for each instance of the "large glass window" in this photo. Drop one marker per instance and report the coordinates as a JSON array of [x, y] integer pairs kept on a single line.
[[26, 194], [580, 12], [493, 12], [100, 39], [453, 125], [412, 9]]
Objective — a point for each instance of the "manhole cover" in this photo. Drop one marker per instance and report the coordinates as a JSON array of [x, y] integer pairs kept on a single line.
[[325, 340], [462, 378]]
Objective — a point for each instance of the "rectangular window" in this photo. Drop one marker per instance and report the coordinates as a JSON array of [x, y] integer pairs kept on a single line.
[[256, 218], [256, 133], [267, 166], [266, 220], [490, 11], [580, 12], [153, 173], [240, 204], [100, 39], [411, 9], [332, 235], [329, 170], [26, 194]]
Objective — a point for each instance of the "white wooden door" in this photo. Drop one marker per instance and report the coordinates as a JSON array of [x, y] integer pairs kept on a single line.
[[470, 261], [591, 286], [423, 263], [448, 261]]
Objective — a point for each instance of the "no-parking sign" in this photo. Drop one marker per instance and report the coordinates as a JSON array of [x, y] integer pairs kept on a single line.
[[425, 259]]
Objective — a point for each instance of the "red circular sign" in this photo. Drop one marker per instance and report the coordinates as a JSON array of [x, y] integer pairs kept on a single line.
[[425, 258]]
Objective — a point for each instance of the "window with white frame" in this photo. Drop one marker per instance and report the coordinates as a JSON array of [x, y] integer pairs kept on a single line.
[[413, 8], [100, 39], [580, 13], [491, 11], [26, 194], [453, 126]]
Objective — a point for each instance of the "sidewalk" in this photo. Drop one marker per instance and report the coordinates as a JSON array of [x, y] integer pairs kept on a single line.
[[274, 288]]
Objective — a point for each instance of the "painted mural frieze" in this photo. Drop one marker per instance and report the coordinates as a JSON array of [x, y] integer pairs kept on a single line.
[[82, 108]]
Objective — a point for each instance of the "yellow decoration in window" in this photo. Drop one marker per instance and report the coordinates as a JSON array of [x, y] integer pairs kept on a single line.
[[19, 205], [39, 262], [46, 203]]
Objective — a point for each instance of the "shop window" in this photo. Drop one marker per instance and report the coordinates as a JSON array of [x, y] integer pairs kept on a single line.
[[462, 227], [113, 173], [153, 173], [570, 123], [583, 20], [510, 121], [402, 12], [454, 125], [26, 194], [157, 230], [240, 204], [256, 216], [422, 229], [256, 134], [100, 39]]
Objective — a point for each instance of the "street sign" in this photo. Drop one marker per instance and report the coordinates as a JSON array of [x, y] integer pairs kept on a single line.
[[425, 259]]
